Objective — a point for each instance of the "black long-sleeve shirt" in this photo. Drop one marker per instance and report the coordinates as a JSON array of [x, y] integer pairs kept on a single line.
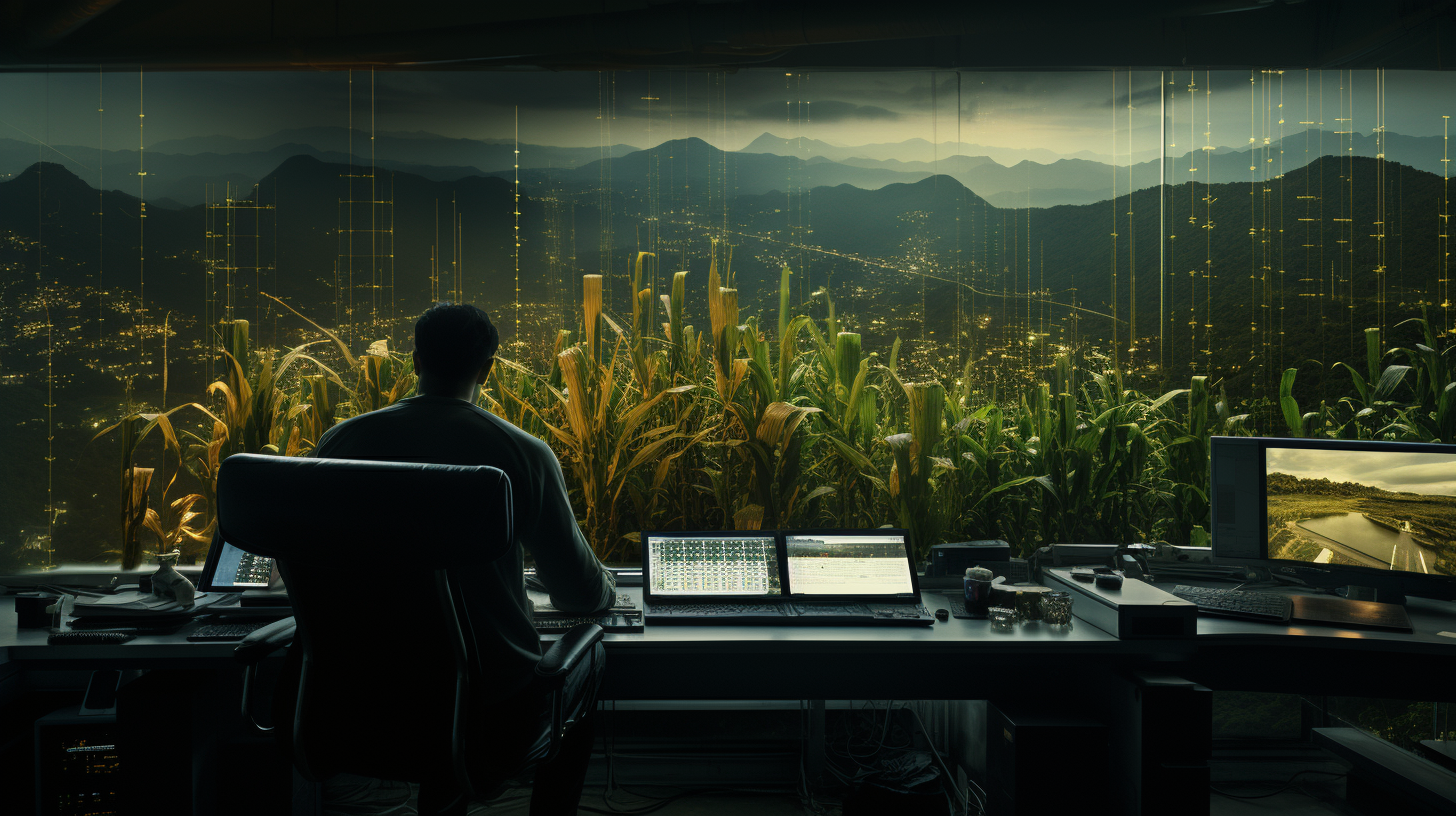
[[449, 431]]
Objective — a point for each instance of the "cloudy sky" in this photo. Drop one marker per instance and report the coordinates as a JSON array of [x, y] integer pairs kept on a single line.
[[1430, 473], [1061, 111]]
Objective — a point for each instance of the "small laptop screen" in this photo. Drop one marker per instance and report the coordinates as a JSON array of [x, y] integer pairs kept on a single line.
[[688, 564], [236, 569], [850, 564]]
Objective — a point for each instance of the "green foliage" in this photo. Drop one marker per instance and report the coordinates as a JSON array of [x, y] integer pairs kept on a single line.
[[662, 426]]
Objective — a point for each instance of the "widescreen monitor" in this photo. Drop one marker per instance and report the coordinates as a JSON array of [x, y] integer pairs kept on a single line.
[[738, 565], [849, 563], [1336, 513]]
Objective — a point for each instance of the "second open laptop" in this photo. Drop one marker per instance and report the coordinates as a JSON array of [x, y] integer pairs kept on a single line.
[[843, 577]]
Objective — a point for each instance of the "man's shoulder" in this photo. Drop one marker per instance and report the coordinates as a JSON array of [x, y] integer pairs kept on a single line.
[[389, 413], [528, 441], [452, 417]]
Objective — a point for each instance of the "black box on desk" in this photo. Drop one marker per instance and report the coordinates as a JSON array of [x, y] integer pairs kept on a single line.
[[949, 562], [1137, 611], [1039, 763]]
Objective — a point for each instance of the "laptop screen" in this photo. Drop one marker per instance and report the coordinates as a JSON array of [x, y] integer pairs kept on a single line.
[[711, 564], [861, 563], [231, 569]]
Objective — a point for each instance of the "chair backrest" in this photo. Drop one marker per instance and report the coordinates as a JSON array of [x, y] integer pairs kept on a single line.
[[366, 550]]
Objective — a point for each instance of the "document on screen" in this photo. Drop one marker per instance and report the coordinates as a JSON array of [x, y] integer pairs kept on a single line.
[[824, 564]]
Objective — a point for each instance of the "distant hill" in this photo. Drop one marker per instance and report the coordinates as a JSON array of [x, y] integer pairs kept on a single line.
[[185, 178], [910, 150], [414, 148], [307, 193], [688, 171], [869, 242], [1053, 180], [48, 202]]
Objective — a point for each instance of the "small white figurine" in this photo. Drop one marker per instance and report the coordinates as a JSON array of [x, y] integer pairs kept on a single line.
[[167, 582]]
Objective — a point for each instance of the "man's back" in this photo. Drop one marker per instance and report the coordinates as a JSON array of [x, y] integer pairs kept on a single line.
[[450, 431]]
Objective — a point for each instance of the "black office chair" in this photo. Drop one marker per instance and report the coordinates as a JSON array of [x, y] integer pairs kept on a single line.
[[384, 677]]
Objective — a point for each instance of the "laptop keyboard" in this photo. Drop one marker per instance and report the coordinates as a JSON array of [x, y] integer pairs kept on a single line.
[[716, 610], [612, 624], [897, 611], [815, 610], [848, 614]]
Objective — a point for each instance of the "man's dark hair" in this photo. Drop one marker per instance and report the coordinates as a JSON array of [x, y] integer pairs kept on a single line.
[[453, 341]]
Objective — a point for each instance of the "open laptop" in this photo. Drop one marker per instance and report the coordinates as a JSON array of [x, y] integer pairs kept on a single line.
[[845, 577], [255, 580], [229, 569], [712, 577], [853, 577]]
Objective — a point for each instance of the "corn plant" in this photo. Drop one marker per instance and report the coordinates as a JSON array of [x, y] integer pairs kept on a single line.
[[789, 422]]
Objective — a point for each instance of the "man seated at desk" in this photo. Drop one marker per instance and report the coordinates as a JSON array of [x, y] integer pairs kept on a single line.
[[455, 345]]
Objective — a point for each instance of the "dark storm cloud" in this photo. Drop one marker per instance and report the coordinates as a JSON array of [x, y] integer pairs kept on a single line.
[[826, 110], [936, 88], [1062, 110], [420, 90], [1145, 86]]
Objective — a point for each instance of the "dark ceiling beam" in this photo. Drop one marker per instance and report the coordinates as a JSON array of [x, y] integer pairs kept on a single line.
[[43, 23], [807, 34]]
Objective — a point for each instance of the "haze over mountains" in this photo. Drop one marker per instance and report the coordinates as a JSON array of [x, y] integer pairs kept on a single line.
[[179, 172], [1009, 177], [910, 150], [182, 169]]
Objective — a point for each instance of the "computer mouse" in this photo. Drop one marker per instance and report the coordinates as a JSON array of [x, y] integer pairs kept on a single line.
[[942, 614]]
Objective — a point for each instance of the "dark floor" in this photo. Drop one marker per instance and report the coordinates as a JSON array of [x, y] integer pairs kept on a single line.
[[1318, 790], [1294, 782], [1289, 786]]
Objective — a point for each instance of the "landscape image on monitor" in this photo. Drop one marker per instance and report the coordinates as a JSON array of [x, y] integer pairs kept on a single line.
[[1378, 509]]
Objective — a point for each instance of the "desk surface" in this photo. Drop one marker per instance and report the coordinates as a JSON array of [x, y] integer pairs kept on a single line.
[[948, 636], [948, 660], [943, 661]]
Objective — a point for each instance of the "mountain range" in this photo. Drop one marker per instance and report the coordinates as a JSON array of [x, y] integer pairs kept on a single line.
[[184, 172], [179, 172], [910, 150], [867, 242]]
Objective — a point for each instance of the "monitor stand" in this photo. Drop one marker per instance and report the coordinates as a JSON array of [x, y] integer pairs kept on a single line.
[[1355, 592], [265, 597]]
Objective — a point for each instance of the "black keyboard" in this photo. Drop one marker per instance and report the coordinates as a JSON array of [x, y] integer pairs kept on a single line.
[[226, 631], [1234, 603], [710, 610], [830, 610], [845, 614], [612, 624], [899, 611], [860, 614], [88, 638]]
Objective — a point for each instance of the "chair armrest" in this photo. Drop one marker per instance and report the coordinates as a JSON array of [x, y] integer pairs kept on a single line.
[[264, 641], [566, 653]]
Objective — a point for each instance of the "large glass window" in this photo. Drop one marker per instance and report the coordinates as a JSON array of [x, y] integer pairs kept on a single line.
[[995, 305]]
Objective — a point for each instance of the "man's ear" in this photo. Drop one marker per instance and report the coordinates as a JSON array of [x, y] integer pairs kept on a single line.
[[485, 371]]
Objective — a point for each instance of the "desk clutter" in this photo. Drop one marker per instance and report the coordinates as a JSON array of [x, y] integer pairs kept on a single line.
[[1009, 604], [625, 617]]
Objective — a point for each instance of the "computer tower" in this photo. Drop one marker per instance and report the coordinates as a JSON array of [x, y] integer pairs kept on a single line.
[[77, 766], [1043, 763], [1176, 742]]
